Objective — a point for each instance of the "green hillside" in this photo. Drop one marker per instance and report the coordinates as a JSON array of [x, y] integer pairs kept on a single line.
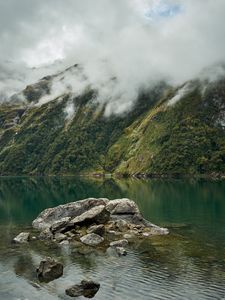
[[163, 135]]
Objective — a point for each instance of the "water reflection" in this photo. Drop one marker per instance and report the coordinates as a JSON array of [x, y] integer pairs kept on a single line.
[[187, 264]]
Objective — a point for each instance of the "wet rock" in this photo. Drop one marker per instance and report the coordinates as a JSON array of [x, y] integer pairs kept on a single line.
[[120, 243], [97, 229], [21, 238], [86, 288], [49, 270], [121, 251], [50, 215], [92, 239]]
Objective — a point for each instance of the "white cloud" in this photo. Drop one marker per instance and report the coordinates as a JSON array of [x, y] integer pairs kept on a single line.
[[114, 39]]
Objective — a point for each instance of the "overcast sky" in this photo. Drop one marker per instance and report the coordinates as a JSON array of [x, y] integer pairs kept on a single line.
[[138, 41]]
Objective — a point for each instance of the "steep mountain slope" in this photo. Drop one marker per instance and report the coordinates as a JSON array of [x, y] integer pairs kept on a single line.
[[168, 132]]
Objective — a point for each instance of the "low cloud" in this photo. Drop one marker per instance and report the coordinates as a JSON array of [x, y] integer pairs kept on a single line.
[[123, 46]]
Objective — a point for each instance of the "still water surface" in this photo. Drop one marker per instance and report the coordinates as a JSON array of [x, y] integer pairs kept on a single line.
[[187, 264]]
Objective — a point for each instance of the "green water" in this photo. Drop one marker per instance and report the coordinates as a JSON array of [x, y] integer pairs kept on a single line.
[[187, 264]]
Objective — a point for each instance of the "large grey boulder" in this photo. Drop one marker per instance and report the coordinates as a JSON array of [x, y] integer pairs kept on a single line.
[[50, 215], [97, 214], [122, 206], [49, 270], [92, 239], [86, 288]]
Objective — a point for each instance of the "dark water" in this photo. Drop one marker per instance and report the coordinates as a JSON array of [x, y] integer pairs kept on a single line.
[[187, 264]]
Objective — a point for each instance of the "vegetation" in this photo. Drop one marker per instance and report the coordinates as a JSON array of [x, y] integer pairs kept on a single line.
[[153, 139]]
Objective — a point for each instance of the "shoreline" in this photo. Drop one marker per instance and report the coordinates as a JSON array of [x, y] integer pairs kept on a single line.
[[141, 176]]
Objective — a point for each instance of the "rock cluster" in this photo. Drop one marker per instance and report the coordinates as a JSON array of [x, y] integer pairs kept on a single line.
[[95, 222]]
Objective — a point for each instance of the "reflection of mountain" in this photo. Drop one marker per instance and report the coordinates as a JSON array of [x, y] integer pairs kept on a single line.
[[198, 202], [169, 131]]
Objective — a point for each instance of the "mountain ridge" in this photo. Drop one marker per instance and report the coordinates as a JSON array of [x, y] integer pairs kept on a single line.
[[168, 132]]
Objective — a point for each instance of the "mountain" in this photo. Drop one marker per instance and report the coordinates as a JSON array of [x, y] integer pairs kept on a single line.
[[169, 132]]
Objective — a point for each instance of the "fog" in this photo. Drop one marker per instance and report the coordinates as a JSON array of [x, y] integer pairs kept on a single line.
[[123, 46]]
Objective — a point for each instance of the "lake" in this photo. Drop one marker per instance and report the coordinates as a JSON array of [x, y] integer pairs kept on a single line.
[[189, 263]]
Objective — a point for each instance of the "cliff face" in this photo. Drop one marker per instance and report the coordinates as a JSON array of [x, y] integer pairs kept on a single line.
[[169, 131]]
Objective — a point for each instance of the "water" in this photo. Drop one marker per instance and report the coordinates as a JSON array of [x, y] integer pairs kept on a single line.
[[187, 264]]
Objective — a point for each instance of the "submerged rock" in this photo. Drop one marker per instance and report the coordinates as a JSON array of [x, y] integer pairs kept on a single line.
[[86, 288], [92, 239], [21, 238], [49, 270], [121, 251]]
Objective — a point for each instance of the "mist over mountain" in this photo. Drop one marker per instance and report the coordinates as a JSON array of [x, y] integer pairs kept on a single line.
[[122, 46], [125, 87]]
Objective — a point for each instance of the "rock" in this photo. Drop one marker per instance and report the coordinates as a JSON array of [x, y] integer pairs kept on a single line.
[[59, 237], [120, 243], [59, 225], [122, 207], [98, 229], [50, 215], [86, 288], [71, 234], [121, 225], [115, 218], [49, 270], [64, 243], [92, 239], [128, 236], [21, 238], [96, 214], [121, 251], [46, 235], [156, 230]]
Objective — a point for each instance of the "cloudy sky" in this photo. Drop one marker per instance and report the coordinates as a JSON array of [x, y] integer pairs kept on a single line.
[[137, 41]]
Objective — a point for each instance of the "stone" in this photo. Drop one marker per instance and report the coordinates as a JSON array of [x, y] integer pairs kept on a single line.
[[49, 270], [96, 214], [92, 239], [121, 225], [98, 229], [86, 288], [50, 215], [59, 225], [119, 243], [59, 237], [122, 207], [128, 236], [46, 234], [21, 238], [121, 251], [112, 219], [64, 243]]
